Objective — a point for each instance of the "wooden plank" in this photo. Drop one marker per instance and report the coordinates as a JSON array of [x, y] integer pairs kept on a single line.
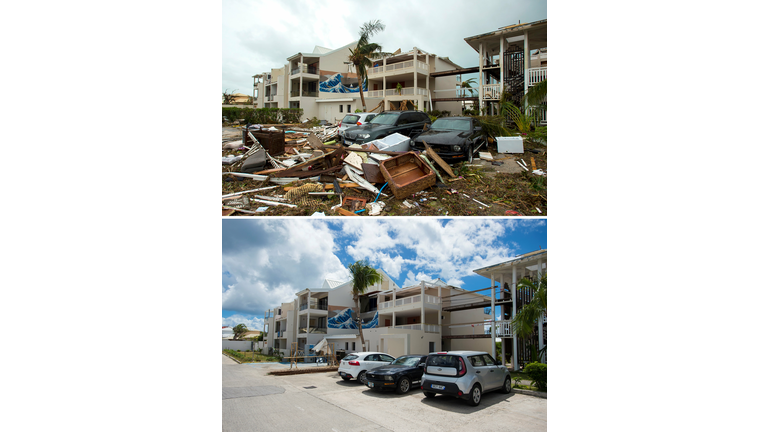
[[329, 186], [345, 212], [431, 153], [373, 173]]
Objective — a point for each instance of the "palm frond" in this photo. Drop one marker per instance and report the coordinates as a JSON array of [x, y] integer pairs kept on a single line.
[[536, 94]]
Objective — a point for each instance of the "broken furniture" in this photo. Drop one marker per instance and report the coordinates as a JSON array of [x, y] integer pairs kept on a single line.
[[407, 174], [510, 144], [272, 141]]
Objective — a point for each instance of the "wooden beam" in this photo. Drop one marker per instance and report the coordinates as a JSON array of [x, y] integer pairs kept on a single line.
[[431, 153]]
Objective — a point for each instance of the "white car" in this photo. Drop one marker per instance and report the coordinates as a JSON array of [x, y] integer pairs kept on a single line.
[[356, 119], [355, 365]]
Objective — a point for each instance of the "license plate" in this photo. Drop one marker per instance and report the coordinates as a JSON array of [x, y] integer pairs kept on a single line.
[[370, 384], [438, 387]]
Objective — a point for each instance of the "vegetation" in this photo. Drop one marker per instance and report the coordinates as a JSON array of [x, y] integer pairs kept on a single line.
[[437, 114], [228, 97], [363, 276], [251, 356], [239, 330], [467, 85], [263, 115], [538, 373], [526, 116], [526, 319], [364, 51], [494, 126]]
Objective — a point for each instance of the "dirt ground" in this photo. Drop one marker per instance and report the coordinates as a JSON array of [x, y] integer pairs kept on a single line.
[[505, 189]]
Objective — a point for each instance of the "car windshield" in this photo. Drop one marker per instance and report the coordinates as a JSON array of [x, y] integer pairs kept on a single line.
[[385, 119], [350, 119], [406, 361], [452, 124], [350, 357]]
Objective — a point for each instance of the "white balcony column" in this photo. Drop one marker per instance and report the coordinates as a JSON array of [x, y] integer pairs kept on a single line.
[[415, 74], [514, 312], [502, 41], [394, 294], [541, 319], [309, 306], [384, 96], [301, 78], [503, 350], [527, 62], [440, 311], [482, 82], [422, 306], [429, 69], [493, 315]]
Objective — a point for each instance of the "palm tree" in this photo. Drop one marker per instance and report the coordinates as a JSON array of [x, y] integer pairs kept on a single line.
[[363, 276], [526, 319], [364, 51], [527, 114], [468, 85]]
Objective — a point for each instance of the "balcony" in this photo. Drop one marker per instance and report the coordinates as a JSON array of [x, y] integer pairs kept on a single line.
[[535, 75], [428, 328], [270, 98], [398, 68], [313, 330], [308, 70], [313, 305], [491, 91], [414, 300], [295, 93]]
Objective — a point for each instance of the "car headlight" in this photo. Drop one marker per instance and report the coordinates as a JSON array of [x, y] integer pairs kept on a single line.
[[388, 378], [457, 148], [365, 136]]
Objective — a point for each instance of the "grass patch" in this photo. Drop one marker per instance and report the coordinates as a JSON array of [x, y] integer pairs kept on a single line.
[[250, 357]]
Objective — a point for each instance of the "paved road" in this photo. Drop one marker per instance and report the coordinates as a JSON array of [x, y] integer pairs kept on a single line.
[[252, 400]]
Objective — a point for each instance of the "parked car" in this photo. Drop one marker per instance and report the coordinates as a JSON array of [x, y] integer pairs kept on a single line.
[[454, 139], [355, 365], [464, 374], [408, 123], [356, 119], [400, 375]]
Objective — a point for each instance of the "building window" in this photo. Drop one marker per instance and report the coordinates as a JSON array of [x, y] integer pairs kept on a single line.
[[431, 347], [346, 346], [349, 108], [341, 108]]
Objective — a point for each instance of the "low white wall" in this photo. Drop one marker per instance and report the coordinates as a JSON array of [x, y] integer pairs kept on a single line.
[[236, 345]]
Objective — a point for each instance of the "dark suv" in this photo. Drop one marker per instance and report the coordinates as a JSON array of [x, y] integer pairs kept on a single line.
[[408, 123]]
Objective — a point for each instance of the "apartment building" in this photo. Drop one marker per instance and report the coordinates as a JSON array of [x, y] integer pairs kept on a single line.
[[512, 58], [395, 320], [324, 83]]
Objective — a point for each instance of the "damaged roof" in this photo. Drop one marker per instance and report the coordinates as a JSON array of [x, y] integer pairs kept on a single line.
[[537, 34]]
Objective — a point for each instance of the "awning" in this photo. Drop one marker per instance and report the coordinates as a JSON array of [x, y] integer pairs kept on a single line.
[[322, 346], [334, 100]]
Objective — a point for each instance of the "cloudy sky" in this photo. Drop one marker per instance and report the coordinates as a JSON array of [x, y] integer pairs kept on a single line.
[[266, 261], [259, 35]]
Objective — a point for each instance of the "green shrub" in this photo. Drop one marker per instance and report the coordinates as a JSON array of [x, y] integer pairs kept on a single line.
[[263, 115], [538, 373], [438, 113]]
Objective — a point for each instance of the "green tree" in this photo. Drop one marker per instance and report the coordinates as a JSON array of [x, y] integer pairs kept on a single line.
[[364, 51], [363, 276], [525, 320], [528, 113], [239, 330]]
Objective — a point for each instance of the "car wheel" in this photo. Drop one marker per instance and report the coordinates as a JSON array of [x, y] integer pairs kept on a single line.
[[362, 378], [403, 385], [474, 396], [507, 385], [346, 378], [470, 154], [429, 394]]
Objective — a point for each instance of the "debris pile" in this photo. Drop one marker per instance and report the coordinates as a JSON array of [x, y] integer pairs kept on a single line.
[[290, 170]]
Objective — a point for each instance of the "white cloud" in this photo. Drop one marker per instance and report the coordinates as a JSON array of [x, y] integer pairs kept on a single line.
[[253, 323], [265, 262]]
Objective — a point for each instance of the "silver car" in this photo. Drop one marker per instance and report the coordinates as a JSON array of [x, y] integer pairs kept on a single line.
[[465, 375]]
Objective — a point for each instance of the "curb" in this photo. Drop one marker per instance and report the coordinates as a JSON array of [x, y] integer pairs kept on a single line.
[[229, 356], [538, 394]]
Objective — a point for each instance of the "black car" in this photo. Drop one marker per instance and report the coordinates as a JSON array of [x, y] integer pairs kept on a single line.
[[408, 123], [454, 139], [400, 375]]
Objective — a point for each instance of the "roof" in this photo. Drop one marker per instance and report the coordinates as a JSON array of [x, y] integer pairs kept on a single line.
[[506, 266], [536, 30]]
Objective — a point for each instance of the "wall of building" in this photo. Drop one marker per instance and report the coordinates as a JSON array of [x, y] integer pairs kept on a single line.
[[236, 345], [445, 83]]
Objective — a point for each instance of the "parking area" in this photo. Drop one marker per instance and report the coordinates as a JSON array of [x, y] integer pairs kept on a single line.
[[253, 400]]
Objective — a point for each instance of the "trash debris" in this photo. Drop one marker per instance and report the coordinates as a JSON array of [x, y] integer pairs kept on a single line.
[[510, 144], [300, 195], [408, 204], [261, 209], [353, 204], [318, 214], [485, 156], [374, 209], [511, 213]]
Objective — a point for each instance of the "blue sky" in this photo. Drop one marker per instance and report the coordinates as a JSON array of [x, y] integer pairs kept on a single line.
[[266, 261]]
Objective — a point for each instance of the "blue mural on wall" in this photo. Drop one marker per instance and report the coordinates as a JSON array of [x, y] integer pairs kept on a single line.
[[334, 85], [344, 321]]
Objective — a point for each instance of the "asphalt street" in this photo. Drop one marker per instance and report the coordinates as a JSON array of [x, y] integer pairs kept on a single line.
[[253, 401]]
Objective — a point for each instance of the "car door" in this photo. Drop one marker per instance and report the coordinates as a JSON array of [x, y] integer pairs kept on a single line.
[[495, 372], [482, 372]]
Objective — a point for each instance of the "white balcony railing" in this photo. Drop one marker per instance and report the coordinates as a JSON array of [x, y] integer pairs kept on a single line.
[[491, 91], [374, 93], [536, 75], [399, 67], [429, 328], [408, 91], [410, 300]]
